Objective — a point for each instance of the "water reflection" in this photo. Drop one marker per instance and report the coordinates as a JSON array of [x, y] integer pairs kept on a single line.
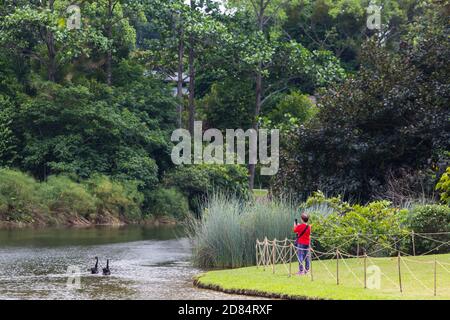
[[55, 237], [146, 263]]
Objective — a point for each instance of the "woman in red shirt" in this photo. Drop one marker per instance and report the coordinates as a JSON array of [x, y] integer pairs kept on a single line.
[[302, 243]]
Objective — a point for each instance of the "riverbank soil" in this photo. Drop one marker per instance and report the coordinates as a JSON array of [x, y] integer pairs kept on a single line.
[[79, 222]]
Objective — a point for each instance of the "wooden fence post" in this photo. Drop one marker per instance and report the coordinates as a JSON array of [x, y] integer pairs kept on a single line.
[[290, 259], [266, 253], [435, 277], [337, 266], [273, 255], [413, 237], [256, 253], [357, 245], [365, 271], [399, 272], [311, 264]]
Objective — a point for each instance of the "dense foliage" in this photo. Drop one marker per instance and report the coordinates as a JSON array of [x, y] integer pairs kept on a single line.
[[430, 219], [61, 201], [388, 119], [378, 228], [443, 187], [362, 112], [198, 181]]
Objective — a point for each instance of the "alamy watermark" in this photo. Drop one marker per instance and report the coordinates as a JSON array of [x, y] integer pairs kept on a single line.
[[374, 17], [373, 277], [73, 278], [74, 20], [210, 147]]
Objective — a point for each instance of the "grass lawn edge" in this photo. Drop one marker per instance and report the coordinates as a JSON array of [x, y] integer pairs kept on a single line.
[[198, 283], [276, 284]]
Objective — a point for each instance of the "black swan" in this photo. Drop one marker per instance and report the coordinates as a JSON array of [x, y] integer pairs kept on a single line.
[[106, 271], [94, 270]]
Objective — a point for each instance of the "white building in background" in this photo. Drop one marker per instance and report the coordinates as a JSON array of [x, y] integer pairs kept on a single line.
[[173, 81]]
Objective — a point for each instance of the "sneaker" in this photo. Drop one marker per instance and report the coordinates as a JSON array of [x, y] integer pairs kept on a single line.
[[300, 273]]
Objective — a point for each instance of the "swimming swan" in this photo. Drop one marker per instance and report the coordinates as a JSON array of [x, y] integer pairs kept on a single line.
[[94, 270], [106, 271]]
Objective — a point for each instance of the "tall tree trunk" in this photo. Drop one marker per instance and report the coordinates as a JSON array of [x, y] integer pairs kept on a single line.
[[50, 42], [259, 93], [109, 68], [180, 78], [191, 86], [109, 36], [192, 77], [51, 67]]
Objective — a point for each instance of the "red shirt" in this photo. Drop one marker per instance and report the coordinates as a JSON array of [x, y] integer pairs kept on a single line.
[[305, 239]]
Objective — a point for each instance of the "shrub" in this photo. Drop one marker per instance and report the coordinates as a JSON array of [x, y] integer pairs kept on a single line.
[[197, 181], [444, 186], [226, 234], [119, 199], [293, 110], [168, 202], [59, 199], [64, 196], [343, 221], [19, 201], [430, 219]]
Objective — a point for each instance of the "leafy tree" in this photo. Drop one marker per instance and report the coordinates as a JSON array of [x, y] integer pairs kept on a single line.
[[291, 111], [113, 19], [79, 131], [196, 182], [393, 115], [229, 105], [187, 30], [341, 25], [7, 141], [37, 31], [275, 63]]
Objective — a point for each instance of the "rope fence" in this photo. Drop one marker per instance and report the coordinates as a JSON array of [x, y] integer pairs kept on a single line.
[[285, 253]]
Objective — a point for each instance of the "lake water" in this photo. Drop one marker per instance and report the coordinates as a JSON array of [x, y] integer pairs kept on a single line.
[[145, 262]]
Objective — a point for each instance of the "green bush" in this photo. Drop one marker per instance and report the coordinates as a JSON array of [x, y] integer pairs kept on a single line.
[[378, 223], [19, 200], [226, 234], [64, 196], [61, 200], [293, 110], [197, 181], [119, 199], [444, 186], [168, 202], [430, 219], [343, 221]]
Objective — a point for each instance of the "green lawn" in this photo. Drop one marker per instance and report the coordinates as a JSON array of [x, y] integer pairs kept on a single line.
[[417, 286]]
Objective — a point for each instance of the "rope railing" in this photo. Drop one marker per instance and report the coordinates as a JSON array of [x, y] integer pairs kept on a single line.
[[273, 253]]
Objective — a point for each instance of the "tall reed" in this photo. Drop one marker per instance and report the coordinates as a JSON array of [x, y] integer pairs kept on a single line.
[[226, 234]]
